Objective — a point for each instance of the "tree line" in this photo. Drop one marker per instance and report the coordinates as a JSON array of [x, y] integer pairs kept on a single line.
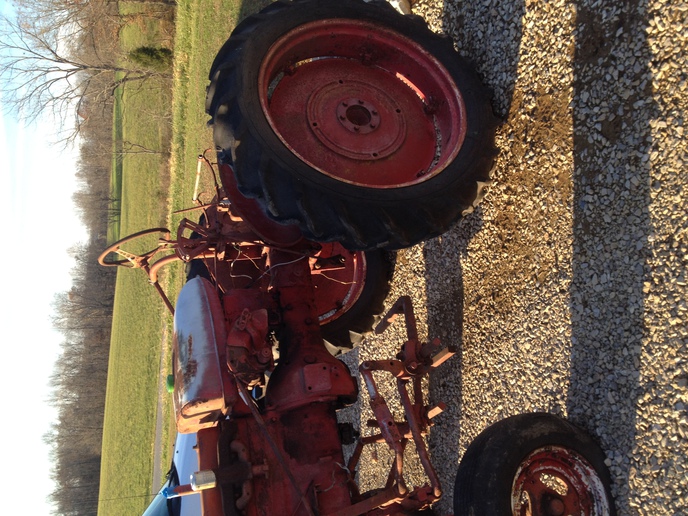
[[63, 57]]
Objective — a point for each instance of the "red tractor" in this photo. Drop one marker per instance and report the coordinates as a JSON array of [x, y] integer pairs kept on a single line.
[[343, 131]]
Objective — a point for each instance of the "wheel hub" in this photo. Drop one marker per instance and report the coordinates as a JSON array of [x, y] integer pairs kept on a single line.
[[356, 120], [361, 104], [358, 116], [555, 481]]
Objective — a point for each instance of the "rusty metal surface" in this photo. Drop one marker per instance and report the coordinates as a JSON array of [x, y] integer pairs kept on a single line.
[[291, 442], [288, 444], [555, 481], [404, 97]]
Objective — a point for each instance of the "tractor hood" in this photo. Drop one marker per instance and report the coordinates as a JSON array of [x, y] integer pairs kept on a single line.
[[199, 334]]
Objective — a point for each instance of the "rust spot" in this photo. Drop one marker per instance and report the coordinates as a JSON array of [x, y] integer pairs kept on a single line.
[[190, 371]]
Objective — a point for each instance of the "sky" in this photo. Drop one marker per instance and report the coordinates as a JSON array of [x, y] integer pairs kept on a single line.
[[36, 185], [37, 182]]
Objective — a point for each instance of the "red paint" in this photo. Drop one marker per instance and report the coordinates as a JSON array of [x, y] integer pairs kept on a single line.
[[379, 130]]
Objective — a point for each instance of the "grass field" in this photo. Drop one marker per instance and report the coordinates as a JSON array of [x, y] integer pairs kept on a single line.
[[116, 173], [141, 181], [200, 34], [151, 188]]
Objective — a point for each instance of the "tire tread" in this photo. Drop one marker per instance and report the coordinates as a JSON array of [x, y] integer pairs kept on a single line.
[[322, 214]]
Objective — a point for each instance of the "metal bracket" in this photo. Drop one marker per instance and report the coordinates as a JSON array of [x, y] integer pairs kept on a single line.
[[414, 361]]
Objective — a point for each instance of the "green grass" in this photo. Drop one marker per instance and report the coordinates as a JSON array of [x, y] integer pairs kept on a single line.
[[150, 190], [143, 25], [140, 180], [131, 397], [200, 34], [113, 230], [130, 401]]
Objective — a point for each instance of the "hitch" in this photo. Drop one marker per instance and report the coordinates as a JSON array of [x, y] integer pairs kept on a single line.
[[414, 361]]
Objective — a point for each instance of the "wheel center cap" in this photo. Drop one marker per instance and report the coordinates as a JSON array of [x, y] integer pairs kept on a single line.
[[356, 120]]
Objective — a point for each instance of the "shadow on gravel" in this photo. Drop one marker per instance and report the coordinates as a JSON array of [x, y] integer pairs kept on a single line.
[[445, 320], [612, 109], [498, 71]]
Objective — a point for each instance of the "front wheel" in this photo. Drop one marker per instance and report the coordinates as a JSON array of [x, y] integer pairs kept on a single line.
[[353, 121], [536, 465]]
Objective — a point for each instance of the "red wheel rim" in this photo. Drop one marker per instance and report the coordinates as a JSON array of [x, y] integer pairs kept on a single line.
[[362, 104], [337, 289], [555, 481]]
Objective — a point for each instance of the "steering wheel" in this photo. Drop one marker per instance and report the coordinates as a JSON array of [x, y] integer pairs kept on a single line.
[[131, 260]]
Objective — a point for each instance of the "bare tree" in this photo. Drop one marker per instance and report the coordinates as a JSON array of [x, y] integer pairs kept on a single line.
[[61, 69], [83, 14]]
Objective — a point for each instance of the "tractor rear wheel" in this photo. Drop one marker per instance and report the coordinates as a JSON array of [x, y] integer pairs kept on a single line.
[[353, 121]]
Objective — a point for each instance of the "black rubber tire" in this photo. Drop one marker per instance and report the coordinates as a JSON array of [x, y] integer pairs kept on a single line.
[[487, 470], [325, 208], [197, 268], [348, 330]]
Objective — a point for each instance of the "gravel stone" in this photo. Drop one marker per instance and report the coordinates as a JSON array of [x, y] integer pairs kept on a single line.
[[566, 289]]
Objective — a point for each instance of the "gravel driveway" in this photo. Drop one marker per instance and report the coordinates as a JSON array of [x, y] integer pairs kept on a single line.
[[566, 290]]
